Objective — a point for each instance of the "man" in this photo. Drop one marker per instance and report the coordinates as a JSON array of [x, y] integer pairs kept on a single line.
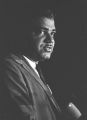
[[23, 93]]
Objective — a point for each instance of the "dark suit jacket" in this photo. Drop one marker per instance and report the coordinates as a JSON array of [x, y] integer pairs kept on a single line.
[[23, 95]]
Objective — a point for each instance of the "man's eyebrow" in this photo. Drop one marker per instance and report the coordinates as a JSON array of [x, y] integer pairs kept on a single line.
[[53, 30]]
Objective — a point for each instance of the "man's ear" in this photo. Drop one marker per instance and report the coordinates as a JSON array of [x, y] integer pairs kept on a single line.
[[33, 33], [34, 36]]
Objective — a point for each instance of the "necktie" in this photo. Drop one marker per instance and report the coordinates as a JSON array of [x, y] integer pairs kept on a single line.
[[52, 99], [40, 73]]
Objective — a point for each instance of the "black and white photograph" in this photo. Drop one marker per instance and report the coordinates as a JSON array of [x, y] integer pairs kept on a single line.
[[43, 60]]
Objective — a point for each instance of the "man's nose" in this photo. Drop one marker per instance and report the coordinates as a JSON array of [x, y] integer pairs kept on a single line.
[[49, 39]]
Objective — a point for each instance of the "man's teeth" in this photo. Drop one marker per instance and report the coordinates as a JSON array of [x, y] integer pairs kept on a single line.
[[49, 49]]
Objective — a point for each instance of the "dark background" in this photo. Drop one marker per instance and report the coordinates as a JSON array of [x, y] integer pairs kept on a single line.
[[66, 71]]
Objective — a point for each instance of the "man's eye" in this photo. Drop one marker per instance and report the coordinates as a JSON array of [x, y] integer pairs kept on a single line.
[[39, 31], [53, 34], [42, 32]]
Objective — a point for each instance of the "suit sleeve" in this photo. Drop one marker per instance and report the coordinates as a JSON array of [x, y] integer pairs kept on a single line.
[[18, 91]]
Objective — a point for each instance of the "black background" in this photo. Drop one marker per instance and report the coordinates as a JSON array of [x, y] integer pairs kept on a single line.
[[66, 71]]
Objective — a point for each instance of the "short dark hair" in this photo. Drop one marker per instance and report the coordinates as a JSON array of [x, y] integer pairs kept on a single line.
[[43, 13]]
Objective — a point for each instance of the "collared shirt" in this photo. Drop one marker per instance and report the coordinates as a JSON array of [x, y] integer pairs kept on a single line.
[[32, 64]]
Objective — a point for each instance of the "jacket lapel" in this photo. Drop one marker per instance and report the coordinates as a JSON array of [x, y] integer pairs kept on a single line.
[[46, 88], [27, 66]]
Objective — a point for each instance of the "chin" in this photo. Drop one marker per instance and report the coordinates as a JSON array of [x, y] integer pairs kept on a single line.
[[46, 56]]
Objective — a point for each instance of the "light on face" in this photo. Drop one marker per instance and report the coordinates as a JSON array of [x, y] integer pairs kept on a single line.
[[44, 37]]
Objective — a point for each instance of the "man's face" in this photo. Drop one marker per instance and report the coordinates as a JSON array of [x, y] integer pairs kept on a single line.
[[43, 37]]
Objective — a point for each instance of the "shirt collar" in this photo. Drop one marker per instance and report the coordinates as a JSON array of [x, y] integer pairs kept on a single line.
[[32, 63]]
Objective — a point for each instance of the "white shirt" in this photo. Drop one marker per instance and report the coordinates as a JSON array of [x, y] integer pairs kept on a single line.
[[32, 64]]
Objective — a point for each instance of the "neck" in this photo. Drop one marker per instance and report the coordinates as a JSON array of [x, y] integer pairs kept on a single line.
[[33, 56]]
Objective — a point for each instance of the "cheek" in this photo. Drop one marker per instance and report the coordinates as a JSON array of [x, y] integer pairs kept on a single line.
[[40, 43]]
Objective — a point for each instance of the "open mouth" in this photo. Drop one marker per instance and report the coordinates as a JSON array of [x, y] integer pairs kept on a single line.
[[48, 48]]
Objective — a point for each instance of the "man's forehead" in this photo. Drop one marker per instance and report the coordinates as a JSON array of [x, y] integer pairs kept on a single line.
[[48, 23]]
